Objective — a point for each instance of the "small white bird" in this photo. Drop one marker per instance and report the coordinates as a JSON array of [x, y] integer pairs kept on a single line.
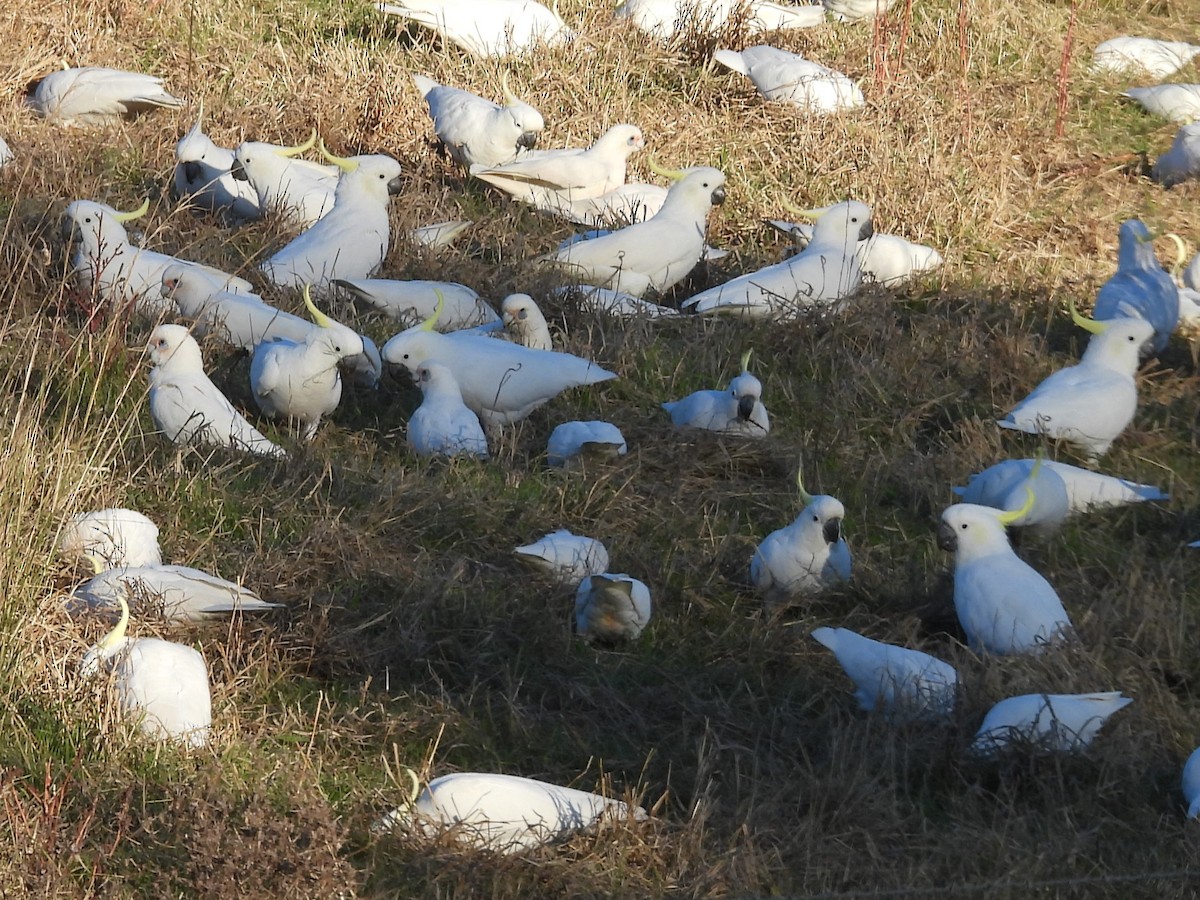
[[160, 686], [476, 131], [1004, 605], [1182, 161], [736, 410], [668, 19], [589, 440], [1140, 288], [1062, 723], [525, 322], [503, 813], [1088, 404], [299, 380], [611, 608], [857, 10], [567, 557], [177, 593], [886, 259], [411, 302], [655, 254], [111, 538], [439, 234], [789, 78], [806, 556], [203, 176], [1159, 58], [823, 274], [487, 27], [1190, 783], [500, 381], [187, 407], [580, 173], [6, 154], [443, 425], [105, 262], [901, 683], [1177, 102], [613, 303], [351, 240], [94, 95], [300, 192]]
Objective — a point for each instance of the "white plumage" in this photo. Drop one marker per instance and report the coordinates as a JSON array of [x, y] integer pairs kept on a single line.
[[736, 410], [857, 10], [187, 407], [898, 681], [525, 323], [1177, 102], [886, 259], [613, 303], [824, 273], [178, 593], [1190, 783], [94, 95], [204, 179], [443, 425], [567, 557], [806, 556], [476, 131], [1060, 722], [586, 439], [438, 234], [1182, 161], [6, 154], [297, 190], [667, 19], [487, 27], [1140, 288], [1003, 604], [411, 302], [611, 607], [1158, 58], [789, 78], [110, 538]]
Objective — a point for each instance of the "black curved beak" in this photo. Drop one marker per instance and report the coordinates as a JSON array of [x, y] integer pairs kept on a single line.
[[946, 538], [745, 407], [238, 171], [718, 196], [528, 140], [394, 186], [832, 531], [866, 230], [193, 172]]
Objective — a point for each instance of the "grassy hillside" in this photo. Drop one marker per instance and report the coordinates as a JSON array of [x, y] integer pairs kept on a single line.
[[412, 635]]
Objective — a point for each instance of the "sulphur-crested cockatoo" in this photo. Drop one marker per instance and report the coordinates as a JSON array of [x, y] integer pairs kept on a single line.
[[438, 234], [487, 27], [623, 205], [300, 380], [613, 303], [823, 274], [788, 78], [187, 407], [1182, 161], [443, 425], [588, 440], [1191, 783], [1140, 288], [1159, 58], [1088, 404], [300, 192], [806, 556], [203, 178], [1059, 722], [567, 557], [736, 410], [500, 381], [1177, 102], [503, 813], [1004, 605], [667, 19], [655, 254], [94, 95], [178, 593], [160, 686], [351, 240], [111, 538], [411, 302], [104, 260], [886, 259], [899, 682], [524, 322], [578, 173], [857, 10], [611, 608], [476, 131]]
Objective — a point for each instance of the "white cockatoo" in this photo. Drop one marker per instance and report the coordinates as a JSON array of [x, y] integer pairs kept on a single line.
[[1088, 404], [736, 410], [1141, 288], [111, 538], [1182, 161], [485, 28], [1158, 58], [1190, 783], [524, 322], [1059, 722], [94, 95], [351, 240], [203, 176], [177, 593], [655, 254], [857, 10], [503, 813], [579, 173], [611, 607], [823, 274], [806, 556], [1004, 605], [443, 425], [476, 131], [187, 407], [501, 382], [789, 78], [589, 440], [299, 191], [668, 19], [1177, 102], [300, 380], [626, 204], [160, 686], [106, 262], [438, 234], [886, 259], [1189, 297], [568, 558], [899, 682], [613, 303], [412, 302]]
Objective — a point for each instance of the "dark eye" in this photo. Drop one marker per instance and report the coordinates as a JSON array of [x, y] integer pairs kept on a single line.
[[381, 176], [88, 220], [337, 349], [963, 526], [1130, 338], [406, 356], [854, 218], [816, 518]]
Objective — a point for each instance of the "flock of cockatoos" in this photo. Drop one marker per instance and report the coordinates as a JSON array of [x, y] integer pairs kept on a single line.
[[479, 370]]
